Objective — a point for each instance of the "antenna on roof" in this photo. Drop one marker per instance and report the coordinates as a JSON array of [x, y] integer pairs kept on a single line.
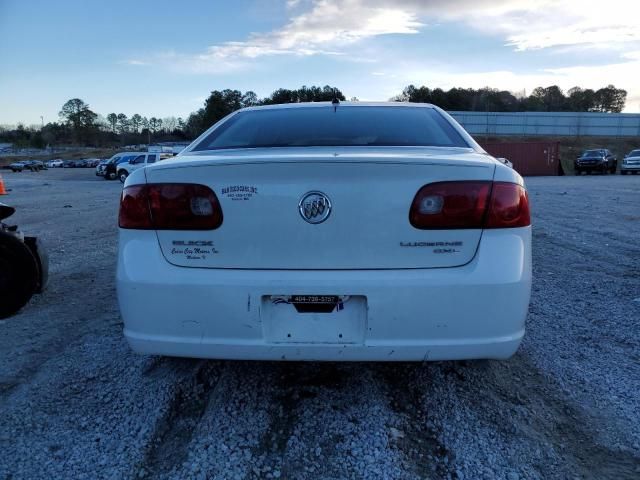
[[335, 101]]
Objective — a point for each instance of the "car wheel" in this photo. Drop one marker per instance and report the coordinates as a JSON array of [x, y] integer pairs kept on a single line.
[[18, 275], [122, 175]]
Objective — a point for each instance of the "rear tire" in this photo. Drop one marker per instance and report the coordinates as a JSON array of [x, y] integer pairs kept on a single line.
[[122, 175], [19, 275]]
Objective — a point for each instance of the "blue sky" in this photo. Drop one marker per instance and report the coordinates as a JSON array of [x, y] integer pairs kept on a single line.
[[161, 58]]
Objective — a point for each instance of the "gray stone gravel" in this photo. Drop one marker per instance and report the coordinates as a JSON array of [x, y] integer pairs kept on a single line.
[[76, 403]]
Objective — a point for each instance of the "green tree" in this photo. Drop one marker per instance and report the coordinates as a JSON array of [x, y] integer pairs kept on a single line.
[[155, 124], [135, 122], [220, 104], [304, 94], [76, 113], [123, 123], [249, 99], [112, 118], [551, 98], [610, 99], [195, 124]]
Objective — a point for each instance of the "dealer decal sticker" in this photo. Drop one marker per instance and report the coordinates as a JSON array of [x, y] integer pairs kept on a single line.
[[193, 249], [240, 192]]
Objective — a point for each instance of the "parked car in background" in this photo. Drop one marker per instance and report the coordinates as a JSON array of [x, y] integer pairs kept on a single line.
[[101, 167], [112, 163], [81, 163], [631, 163], [92, 162], [597, 160], [334, 231], [68, 163], [35, 165], [125, 168], [53, 163]]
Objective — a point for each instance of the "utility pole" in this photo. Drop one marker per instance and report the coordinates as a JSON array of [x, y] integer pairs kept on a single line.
[[42, 120]]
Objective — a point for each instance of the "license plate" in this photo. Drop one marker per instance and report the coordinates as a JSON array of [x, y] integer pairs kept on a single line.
[[314, 323]]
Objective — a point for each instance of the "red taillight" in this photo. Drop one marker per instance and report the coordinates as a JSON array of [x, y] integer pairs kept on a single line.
[[169, 206], [447, 205], [470, 204], [134, 208], [509, 206]]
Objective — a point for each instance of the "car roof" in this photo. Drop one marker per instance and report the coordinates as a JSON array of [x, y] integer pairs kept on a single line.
[[279, 106]]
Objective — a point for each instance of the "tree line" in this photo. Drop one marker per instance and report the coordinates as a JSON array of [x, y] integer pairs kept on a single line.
[[79, 125], [541, 99]]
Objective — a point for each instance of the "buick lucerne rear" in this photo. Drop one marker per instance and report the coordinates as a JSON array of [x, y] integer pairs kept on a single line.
[[327, 231]]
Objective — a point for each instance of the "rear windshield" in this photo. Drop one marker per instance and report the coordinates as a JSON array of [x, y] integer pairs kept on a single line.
[[329, 126], [635, 153]]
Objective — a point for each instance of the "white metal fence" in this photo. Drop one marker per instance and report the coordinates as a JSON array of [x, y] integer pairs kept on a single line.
[[564, 124]]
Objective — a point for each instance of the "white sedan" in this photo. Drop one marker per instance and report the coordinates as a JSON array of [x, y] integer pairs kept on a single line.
[[327, 231], [631, 163]]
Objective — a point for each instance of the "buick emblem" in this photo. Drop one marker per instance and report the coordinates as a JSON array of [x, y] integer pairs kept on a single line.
[[314, 207]]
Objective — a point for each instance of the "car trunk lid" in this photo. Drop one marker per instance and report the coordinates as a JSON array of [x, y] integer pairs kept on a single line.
[[370, 192]]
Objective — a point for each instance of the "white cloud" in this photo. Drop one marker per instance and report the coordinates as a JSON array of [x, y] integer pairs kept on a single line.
[[329, 27], [571, 22], [536, 24], [135, 62], [326, 28]]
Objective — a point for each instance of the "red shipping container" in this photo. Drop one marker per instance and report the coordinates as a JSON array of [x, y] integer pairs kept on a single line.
[[528, 158]]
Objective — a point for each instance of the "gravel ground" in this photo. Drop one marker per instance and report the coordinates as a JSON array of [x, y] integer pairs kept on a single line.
[[76, 403]]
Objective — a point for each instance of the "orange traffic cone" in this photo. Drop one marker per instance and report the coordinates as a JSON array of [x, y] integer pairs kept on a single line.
[[3, 191]]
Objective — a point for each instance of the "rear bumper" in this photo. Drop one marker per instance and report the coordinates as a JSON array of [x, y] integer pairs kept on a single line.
[[474, 311]]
